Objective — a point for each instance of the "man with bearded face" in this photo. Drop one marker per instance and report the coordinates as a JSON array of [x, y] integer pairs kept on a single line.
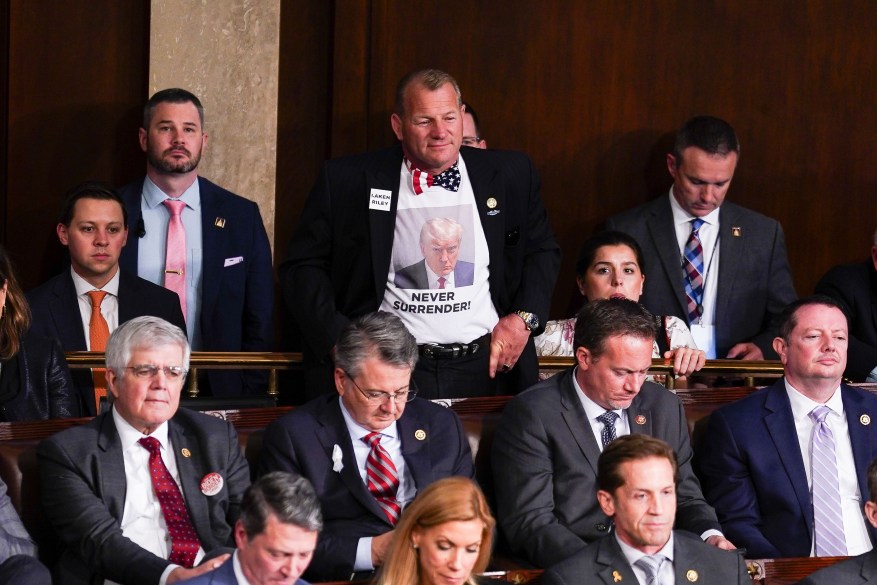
[[229, 286]]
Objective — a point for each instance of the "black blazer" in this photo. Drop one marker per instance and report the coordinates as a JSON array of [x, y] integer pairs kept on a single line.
[[338, 260], [56, 314], [44, 388], [855, 285]]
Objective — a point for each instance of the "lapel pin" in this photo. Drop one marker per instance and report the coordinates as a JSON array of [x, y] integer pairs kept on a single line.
[[691, 575], [616, 576], [736, 232], [219, 222], [491, 203], [211, 484], [185, 452], [865, 419], [337, 466], [420, 434], [640, 419]]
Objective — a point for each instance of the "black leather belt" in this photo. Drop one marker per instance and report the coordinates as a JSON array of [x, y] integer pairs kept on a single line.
[[450, 351]]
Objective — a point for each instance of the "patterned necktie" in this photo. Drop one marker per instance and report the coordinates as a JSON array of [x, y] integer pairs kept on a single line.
[[441, 281], [175, 254], [651, 566], [383, 479], [827, 515], [608, 419], [448, 179], [184, 539], [692, 270], [98, 334]]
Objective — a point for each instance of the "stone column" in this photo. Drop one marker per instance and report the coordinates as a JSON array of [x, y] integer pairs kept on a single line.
[[226, 52]]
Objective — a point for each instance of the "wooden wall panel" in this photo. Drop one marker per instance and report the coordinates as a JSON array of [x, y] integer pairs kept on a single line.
[[594, 90], [77, 75]]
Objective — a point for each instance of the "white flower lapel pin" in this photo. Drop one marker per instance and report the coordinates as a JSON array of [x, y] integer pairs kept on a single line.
[[337, 466]]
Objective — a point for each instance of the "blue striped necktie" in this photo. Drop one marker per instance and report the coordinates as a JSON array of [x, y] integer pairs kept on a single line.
[[692, 271]]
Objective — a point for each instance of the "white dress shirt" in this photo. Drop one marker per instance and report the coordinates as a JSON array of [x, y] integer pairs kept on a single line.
[[109, 307], [855, 530], [704, 333]]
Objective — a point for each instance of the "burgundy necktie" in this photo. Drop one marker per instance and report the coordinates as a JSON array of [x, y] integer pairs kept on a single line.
[[441, 281], [383, 479], [175, 253], [184, 539]]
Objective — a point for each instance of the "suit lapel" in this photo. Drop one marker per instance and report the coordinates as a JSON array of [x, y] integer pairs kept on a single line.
[[112, 467], [334, 432], [688, 563], [612, 565], [132, 198], [663, 234], [639, 415], [127, 291], [781, 427], [869, 567], [487, 186], [191, 471], [213, 250], [859, 419], [872, 294], [382, 223], [732, 251], [577, 421], [66, 316], [414, 451]]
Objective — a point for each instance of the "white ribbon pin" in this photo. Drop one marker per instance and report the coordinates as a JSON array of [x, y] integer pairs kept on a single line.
[[337, 466]]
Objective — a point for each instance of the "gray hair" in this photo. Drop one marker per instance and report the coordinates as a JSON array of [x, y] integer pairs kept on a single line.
[[381, 335], [440, 228], [431, 79], [143, 333], [290, 498]]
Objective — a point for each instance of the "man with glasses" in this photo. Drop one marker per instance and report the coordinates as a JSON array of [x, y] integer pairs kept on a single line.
[[145, 493], [368, 450]]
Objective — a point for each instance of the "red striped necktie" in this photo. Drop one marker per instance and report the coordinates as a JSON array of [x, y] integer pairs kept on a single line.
[[382, 477]]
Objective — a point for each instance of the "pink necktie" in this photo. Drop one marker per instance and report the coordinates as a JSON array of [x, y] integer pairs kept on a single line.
[[184, 539], [175, 258]]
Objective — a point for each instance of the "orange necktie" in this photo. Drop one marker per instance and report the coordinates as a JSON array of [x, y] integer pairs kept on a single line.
[[98, 334]]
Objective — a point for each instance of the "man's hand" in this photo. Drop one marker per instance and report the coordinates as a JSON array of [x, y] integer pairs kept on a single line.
[[182, 573], [745, 351], [506, 343], [686, 360], [720, 542], [379, 547]]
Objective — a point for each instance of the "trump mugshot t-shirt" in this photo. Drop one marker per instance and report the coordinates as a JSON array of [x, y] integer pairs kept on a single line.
[[438, 278]]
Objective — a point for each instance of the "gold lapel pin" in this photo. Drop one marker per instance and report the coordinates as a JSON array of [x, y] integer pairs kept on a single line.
[[185, 452], [736, 232], [219, 222], [640, 419], [420, 434], [616, 576], [691, 575], [865, 419], [491, 203]]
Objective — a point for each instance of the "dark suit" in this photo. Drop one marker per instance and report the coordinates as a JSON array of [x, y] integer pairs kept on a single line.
[[83, 477], [339, 258], [753, 473], [855, 285], [604, 562], [224, 575], [18, 563], [237, 301], [755, 282], [855, 571], [55, 310], [415, 276], [545, 468], [37, 382], [302, 442]]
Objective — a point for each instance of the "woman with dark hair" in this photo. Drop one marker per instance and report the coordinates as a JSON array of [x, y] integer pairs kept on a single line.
[[610, 265], [34, 380], [443, 538]]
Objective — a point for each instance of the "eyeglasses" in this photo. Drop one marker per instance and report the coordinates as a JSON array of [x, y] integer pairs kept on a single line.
[[471, 140], [145, 371], [380, 397]]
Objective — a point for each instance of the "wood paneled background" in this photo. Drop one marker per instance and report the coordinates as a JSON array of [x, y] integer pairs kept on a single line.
[[592, 90]]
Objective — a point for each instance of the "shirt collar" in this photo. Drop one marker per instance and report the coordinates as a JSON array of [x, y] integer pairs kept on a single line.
[[680, 216], [82, 286], [129, 436], [153, 196], [633, 555], [592, 409], [802, 405], [357, 432]]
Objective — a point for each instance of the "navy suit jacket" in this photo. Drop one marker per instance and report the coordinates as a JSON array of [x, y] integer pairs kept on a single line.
[[237, 301], [544, 464], [224, 575], [752, 470], [755, 282], [338, 261], [604, 562], [855, 571], [56, 314], [415, 276], [302, 442], [855, 285], [82, 472]]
